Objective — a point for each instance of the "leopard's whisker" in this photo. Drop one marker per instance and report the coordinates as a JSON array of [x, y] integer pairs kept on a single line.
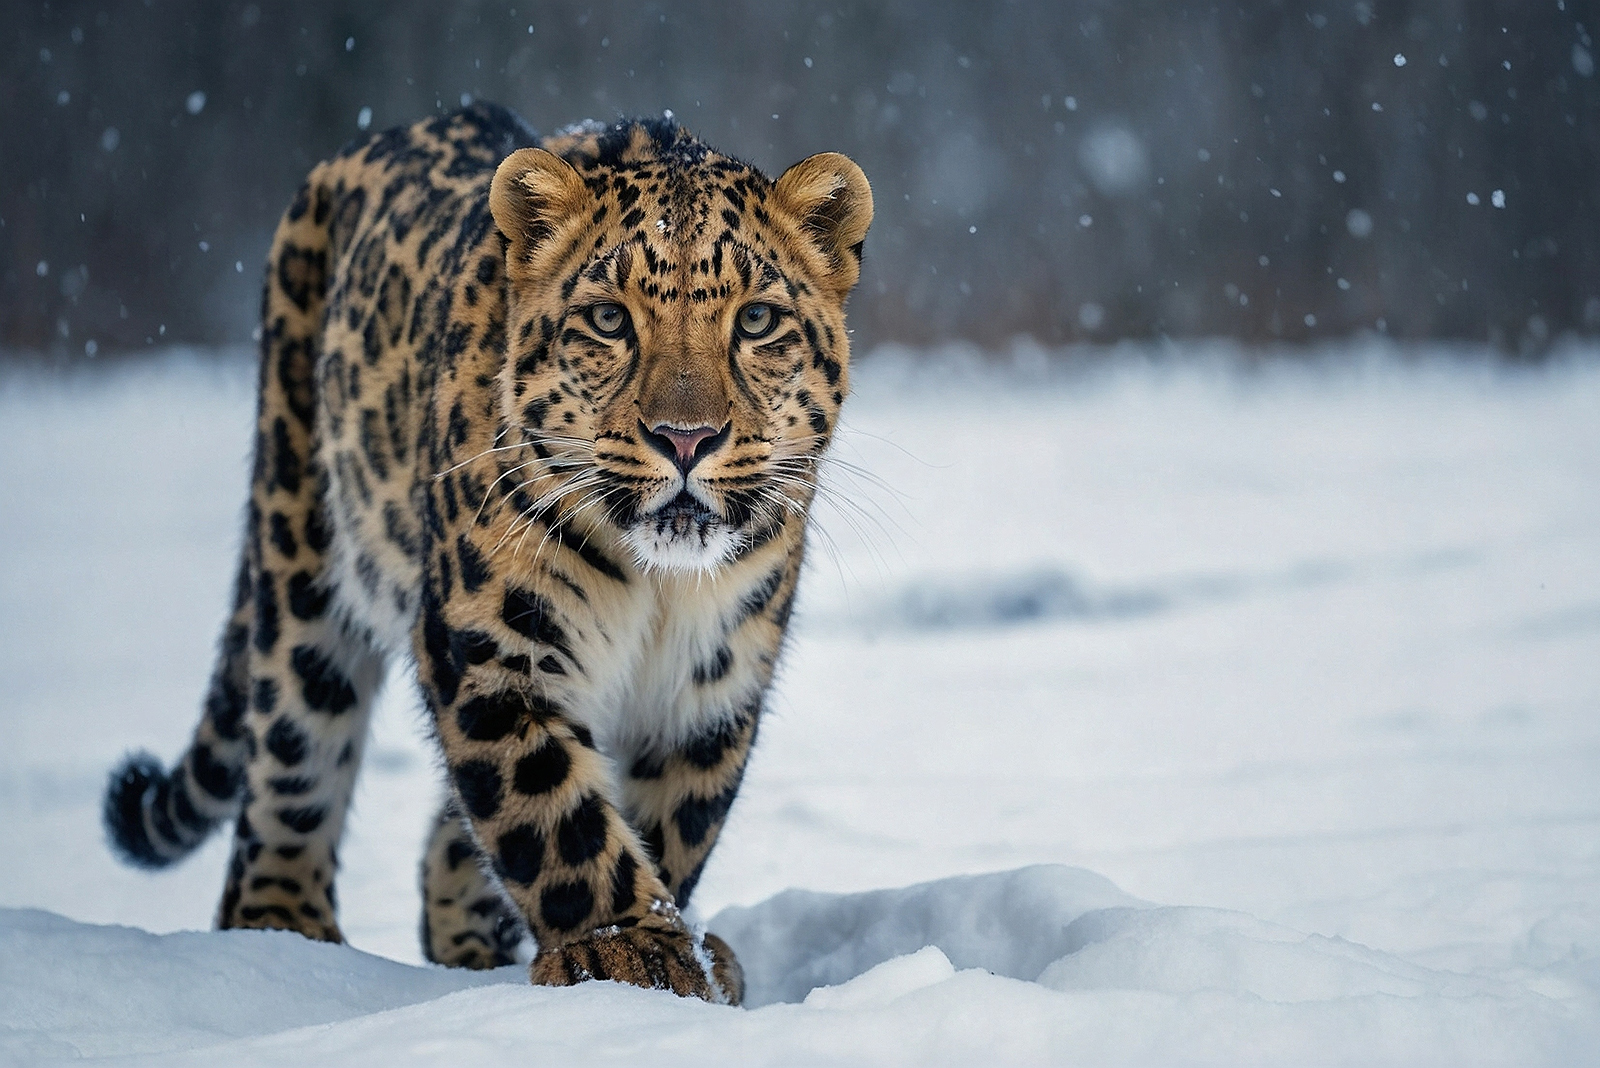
[[550, 528], [581, 485], [489, 491], [553, 496], [535, 511], [480, 455]]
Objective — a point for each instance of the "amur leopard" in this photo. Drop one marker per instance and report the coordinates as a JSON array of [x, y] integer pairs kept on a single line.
[[545, 414]]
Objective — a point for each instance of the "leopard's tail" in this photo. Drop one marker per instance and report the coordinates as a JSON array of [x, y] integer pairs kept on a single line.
[[155, 817]]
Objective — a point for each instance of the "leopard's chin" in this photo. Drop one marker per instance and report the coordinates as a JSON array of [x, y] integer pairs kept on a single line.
[[682, 536]]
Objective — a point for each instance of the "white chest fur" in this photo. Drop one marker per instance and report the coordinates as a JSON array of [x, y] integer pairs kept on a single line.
[[652, 691]]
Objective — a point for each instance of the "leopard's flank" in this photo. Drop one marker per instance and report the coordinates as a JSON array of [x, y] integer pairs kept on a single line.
[[547, 416]]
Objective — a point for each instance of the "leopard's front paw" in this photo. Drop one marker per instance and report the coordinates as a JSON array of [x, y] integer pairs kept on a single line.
[[660, 957]]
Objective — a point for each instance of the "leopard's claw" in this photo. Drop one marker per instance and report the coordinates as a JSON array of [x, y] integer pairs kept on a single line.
[[660, 958]]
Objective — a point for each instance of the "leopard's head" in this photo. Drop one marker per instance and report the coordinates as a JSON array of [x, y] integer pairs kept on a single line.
[[676, 344]]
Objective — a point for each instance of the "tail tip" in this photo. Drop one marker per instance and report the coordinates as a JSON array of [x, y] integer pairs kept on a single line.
[[130, 785]]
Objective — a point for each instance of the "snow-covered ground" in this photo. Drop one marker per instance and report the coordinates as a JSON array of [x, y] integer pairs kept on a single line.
[[1194, 708]]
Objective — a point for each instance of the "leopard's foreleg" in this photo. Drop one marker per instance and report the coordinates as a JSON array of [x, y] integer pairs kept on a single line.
[[539, 798]]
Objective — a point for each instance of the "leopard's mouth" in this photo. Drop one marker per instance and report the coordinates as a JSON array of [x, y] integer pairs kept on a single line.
[[682, 535], [684, 513]]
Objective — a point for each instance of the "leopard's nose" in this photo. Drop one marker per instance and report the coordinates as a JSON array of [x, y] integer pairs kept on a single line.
[[686, 446]]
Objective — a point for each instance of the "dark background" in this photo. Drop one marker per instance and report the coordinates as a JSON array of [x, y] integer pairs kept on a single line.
[[1061, 170]]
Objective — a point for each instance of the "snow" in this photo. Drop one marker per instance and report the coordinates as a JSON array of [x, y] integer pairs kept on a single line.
[[1181, 706]]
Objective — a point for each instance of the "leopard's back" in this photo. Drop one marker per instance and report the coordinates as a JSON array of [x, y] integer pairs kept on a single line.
[[414, 276]]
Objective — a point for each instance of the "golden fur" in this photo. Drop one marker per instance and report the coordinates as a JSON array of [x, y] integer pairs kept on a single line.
[[547, 416]]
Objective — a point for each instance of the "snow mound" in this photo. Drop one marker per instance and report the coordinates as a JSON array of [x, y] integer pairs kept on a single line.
[[1011, 923], [1190, 950], [1043, 593], [887, 982], [75, 990], [1118, 980], [1028, 595]]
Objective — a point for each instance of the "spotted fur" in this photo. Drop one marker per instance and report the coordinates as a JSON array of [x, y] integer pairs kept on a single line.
[[586, 534]]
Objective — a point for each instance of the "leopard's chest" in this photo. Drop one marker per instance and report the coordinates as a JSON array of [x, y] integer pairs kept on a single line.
[[663, 671]]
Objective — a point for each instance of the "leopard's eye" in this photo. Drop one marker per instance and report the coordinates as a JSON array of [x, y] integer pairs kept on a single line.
[[608, 319], [757, 320]]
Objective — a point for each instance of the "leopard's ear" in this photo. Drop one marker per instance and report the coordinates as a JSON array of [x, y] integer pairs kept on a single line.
[[831, 198], [534, 197]]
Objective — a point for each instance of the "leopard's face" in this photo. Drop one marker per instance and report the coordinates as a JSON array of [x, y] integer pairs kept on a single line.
[[677, 344]]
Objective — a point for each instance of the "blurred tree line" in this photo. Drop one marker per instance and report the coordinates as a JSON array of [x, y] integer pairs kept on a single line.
[[1080, 170]]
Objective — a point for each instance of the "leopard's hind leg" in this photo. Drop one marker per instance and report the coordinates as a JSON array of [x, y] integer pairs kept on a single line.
[[466, 921], [311, 689], [312, 672]]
